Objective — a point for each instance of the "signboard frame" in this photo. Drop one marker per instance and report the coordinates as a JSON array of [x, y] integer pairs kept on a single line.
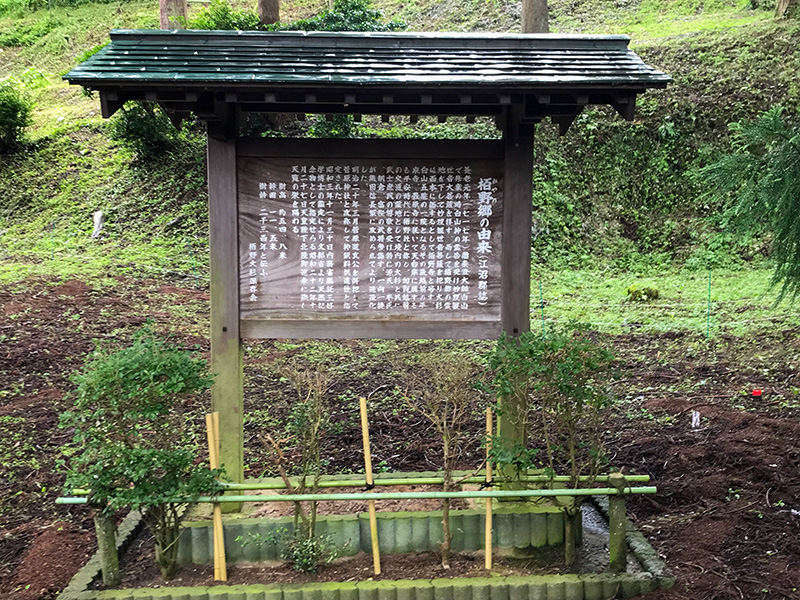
[[227, 329], [314, 325]]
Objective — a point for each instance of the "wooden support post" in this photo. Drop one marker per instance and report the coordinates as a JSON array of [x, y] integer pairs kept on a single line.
[[226, 345], [617, 545], [373, 519], [516, 265], [570, 533], [220, 566], [105, 530]]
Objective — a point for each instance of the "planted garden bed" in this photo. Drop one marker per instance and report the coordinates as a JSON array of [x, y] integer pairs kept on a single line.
[[407, 576]]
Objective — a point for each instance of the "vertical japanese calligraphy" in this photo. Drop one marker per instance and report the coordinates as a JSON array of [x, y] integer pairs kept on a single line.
[[370, 238]]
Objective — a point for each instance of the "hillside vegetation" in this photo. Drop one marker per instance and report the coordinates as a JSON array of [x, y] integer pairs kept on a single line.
[[624, 240], [609, 190]]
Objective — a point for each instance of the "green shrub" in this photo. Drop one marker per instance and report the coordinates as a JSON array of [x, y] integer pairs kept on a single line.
[[144, 129], [347, 15], [566, 374], [129, 428], [221, 15], [339, 126], [15, 115], [26, 34], [303, 552]]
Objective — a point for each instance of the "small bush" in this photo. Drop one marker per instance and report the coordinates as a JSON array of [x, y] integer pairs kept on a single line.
[[26, 34], [642, 294], [340, 126], [129, 430], [221, 15], [143, 128], [303, 552], [15, 115], [347, 15]]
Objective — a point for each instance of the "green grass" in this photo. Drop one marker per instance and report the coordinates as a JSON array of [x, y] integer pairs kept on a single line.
[[741, 301], [69, 169], [649, 20]]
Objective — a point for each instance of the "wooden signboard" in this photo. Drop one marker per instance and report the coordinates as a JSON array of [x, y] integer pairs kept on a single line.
[[352, 238]]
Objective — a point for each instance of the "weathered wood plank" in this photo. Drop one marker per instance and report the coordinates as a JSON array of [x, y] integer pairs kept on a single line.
[[370, 238], [511, 423], [330, 148], [355, 329], [226, 347]]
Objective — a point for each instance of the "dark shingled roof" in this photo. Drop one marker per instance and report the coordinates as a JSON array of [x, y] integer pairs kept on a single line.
[[323, 58], [211, 72]]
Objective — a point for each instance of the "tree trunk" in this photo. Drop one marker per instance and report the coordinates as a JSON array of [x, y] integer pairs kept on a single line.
[[447, 535], [781, 8], [269, 11], [107, 546], [534, 16], [570, 523], [173, 14]]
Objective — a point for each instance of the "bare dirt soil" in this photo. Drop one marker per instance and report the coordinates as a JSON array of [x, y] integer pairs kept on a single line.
[[726, 517], [140, 569]]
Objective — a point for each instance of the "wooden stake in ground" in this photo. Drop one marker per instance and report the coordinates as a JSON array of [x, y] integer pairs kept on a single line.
[[488, 543], [373, 520], [617, 543], [220, 568]]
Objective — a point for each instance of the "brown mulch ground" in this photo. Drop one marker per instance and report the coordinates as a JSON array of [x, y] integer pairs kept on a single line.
[[726, 517]]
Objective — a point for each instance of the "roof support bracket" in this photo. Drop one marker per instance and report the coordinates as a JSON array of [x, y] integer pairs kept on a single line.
[[625, 106], [108, 106]]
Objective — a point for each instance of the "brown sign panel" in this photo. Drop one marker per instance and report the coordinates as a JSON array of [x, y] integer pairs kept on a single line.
[[370, 246]]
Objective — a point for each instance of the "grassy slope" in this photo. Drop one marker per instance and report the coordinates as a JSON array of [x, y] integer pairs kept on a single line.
[[728, 62]]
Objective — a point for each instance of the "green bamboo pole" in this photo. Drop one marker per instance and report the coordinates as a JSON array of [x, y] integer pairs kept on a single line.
[[405, 495], [279, 485]]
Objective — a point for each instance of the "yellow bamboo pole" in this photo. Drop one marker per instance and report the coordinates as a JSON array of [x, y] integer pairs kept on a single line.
[[220, 568], [373, 520], [488, 543]]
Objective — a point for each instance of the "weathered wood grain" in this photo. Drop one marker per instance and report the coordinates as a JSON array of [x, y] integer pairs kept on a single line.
[[226, 346], [274, 247]]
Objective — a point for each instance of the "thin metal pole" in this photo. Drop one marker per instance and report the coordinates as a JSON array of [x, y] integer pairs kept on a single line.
[[280, 485], [487, 546], [541, 305], [708, 312], [402, 495]]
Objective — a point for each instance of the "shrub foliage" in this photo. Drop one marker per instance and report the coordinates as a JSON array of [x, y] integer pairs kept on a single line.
[[15, 115], [130, 432]]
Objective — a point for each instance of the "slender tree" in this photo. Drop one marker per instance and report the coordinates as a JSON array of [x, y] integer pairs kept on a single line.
[[781, 8], [269, 11], [173, 13], [534, 16]]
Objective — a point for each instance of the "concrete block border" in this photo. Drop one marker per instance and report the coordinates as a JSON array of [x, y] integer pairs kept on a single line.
[[398, 532], [647, 556], [130, 526], [603, 586], [541, 587]]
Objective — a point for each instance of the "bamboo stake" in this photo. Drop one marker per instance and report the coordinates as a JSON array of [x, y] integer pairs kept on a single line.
[[373, 520], [488, 543], [220, 568]]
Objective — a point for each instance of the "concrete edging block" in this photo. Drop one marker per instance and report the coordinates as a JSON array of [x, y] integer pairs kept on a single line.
[[398, 532]]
